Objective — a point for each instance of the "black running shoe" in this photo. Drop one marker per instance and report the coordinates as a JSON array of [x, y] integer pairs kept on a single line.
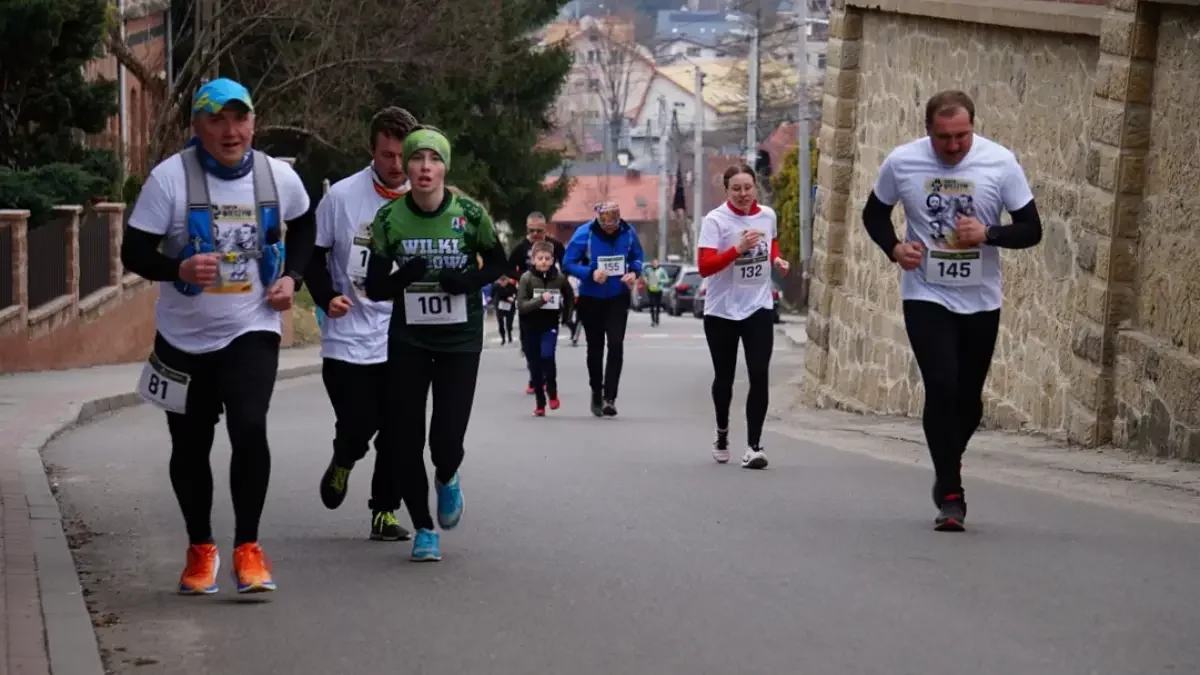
[[597, 405], [952, 514], [609, 409], [385, 527], [334, 485]]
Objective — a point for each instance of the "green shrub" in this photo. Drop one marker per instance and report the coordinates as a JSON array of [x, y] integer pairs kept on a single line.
[[44, 187]]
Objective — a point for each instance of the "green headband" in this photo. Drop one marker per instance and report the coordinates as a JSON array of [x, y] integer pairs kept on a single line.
[[427, 139]]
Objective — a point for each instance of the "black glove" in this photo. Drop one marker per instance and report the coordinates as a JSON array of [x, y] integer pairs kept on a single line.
[[411, 271], [453, 282]]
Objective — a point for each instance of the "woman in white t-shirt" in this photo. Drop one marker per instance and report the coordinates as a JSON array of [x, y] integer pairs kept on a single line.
[[737, 249]]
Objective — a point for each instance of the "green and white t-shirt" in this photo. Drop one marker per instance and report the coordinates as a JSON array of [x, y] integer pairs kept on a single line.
[[449, 238]]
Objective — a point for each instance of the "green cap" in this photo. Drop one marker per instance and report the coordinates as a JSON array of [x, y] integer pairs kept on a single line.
[[427, 139]]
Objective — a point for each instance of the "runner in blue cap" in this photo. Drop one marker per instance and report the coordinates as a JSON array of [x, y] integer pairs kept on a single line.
[[218, 208]]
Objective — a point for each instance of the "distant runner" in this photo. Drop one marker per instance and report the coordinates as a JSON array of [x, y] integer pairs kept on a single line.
[[605, 254], [738, 247], [655, 277]]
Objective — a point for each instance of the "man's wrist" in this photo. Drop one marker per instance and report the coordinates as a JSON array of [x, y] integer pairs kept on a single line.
[[990, 233]]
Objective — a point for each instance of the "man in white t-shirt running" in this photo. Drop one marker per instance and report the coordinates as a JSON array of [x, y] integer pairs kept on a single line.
[[218, 209], [354, 336], [953, 185]]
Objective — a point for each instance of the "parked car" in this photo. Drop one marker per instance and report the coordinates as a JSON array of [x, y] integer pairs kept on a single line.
[[698, 303], [679, 297], [641, 297]]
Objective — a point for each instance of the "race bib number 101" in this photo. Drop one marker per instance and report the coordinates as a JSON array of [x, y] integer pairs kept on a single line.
[[428, 304], [164, 387]]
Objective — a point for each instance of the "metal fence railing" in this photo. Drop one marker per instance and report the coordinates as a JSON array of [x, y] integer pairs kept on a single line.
[[94, 254], [6, 268], [47, 273]]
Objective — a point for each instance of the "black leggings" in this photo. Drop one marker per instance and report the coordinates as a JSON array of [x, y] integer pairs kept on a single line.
[[757, 334], [655, 300], [413, 372], [505, 321], [358, 393], [237, 380], [604, 319], [954, 353]]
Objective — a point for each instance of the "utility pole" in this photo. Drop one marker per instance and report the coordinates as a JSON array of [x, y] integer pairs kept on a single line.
[[207, 32], [699, 174], [806, 225], [662, 178], [752, 93]]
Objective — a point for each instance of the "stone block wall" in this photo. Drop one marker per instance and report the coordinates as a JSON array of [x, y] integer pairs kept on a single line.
[[1068, 87]]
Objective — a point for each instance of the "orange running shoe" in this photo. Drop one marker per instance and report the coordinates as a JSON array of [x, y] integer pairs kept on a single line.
[[251, 569], [200, 575]]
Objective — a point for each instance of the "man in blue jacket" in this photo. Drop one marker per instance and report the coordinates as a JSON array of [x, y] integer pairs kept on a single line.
[[606, 256]]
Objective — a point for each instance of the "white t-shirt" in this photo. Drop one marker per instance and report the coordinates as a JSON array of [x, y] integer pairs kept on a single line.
[[743, 287], [211, 320], [344, 219], [986, 181]]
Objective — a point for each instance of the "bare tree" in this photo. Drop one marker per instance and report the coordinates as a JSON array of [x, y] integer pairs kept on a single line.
[[310, 63], [614, 75]]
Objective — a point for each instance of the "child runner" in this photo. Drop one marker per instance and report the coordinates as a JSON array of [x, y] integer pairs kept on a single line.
[[543, 296]]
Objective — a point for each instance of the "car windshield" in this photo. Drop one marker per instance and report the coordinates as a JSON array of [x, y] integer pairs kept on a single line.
[[691, 279]]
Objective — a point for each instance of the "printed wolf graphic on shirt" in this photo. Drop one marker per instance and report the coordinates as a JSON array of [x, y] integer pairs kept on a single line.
[[235, 238], [945, 199], [362, 237]]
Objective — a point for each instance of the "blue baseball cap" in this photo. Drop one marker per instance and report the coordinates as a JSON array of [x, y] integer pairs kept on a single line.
[[216, 94]]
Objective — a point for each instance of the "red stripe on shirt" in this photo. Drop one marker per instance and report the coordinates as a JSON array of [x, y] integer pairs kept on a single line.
[[711, 262], [774, 250]]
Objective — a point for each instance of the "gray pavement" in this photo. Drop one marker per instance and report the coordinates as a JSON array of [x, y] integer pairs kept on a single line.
[[619, 547]]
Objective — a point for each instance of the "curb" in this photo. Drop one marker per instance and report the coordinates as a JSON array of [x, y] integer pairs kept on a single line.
[[782, 331], [71, 645]]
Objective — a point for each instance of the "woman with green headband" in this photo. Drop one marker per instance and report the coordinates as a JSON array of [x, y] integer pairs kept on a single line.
[[424, 259]]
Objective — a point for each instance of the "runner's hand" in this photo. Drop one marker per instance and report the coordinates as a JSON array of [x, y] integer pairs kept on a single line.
[[908, 255], [600, 276], [453, 282], [782, 265], [200, 269], [629, 278], [969, 232], [281, 294], [339, 306], [545, 297], [748, 241]]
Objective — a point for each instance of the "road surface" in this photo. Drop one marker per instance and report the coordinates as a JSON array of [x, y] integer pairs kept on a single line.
[[618, 547]]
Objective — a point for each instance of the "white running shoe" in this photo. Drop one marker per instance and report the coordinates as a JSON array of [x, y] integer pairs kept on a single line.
[[720, 451], [754, 458]]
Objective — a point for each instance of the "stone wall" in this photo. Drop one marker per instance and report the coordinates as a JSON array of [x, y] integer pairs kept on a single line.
[[1059, 84]]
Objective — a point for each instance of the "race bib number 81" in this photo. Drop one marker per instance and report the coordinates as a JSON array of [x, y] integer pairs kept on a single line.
[[164, 387], [428, 304], [955, 267]]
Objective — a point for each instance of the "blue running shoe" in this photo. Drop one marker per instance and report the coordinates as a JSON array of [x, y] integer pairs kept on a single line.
[[450, 503], [425, 547]]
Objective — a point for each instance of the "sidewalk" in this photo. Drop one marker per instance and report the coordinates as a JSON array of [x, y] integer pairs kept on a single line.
[[45, 622], [793, 328]]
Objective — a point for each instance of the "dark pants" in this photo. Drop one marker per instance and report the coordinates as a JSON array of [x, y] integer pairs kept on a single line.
[[655, 305], [413, 373], [505, 321], [954, 353], [358, 393], [237, 380], [604, 319], [757, 335], [539, 348]]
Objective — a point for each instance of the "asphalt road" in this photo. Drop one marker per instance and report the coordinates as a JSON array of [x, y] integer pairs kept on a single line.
[[618, 547]]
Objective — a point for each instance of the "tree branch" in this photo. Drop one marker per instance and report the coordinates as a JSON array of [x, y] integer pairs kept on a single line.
[[307, 133]]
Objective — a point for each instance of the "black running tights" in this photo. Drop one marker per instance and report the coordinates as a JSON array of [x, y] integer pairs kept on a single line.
[[954, 353], [237, 380], [757, 335], [604, 319], [451, 376]]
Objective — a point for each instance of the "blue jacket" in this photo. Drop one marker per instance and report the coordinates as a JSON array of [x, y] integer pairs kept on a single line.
[[589, 244]]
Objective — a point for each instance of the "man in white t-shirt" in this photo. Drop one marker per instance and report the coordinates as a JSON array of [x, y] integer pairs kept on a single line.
[[953, 185], [354, 337], [218, 210]]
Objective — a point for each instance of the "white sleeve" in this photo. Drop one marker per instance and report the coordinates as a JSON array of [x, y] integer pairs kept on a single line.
[[1014, 189], [293, 198], [710, 233], [326, 221], [885, 185], [155, 206]]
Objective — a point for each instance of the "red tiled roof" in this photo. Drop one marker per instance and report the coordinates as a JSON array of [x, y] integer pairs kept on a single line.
[[637, 197]]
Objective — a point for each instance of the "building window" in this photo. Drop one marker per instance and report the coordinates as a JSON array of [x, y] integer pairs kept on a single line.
[[593, 84], [693, 51], [820, 60]]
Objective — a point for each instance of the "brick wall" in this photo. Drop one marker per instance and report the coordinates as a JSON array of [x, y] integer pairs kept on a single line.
[[1072, 89]]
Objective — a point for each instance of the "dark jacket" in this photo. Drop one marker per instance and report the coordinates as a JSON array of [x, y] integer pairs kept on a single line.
[[529, 300], [520, 261], [506, 292]]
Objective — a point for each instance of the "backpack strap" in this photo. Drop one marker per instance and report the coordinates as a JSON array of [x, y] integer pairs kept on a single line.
[[196, 234], [270, 224]]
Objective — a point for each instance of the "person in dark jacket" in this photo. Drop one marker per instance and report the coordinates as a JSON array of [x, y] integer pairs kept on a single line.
[[504, 293], [544, 298], [521, 258]]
